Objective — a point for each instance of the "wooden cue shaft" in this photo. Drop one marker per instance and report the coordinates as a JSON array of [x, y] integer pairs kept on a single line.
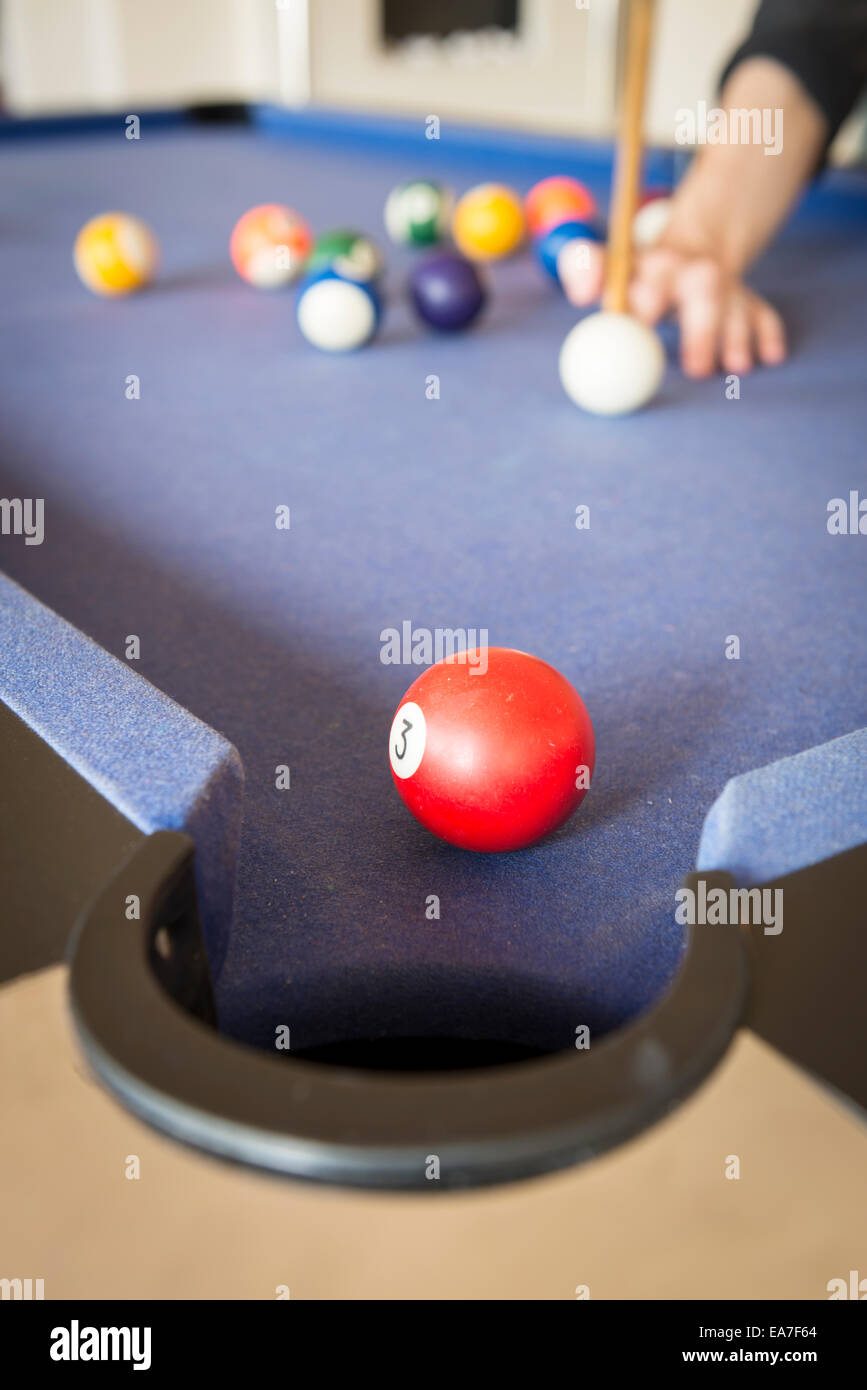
[[629, 149]]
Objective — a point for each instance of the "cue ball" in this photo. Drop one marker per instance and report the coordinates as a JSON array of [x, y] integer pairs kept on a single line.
[[491, 759], [336, 314], [447, 291], [611, 364]]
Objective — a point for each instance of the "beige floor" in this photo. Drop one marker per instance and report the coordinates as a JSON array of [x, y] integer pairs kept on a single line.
[[655, 1219]]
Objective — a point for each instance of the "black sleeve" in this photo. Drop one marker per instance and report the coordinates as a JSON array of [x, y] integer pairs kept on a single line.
[[823, 42]]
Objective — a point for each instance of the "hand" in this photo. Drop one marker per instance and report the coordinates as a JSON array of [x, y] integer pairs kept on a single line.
[[722, 322]]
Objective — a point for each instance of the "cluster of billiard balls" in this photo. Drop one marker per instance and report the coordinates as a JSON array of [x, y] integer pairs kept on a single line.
[[339, 303], [607, 363], [339, 296], [491, 750]]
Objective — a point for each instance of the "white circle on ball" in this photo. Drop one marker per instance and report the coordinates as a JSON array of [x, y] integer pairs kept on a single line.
[[650, 222], [361, 263], [268, 270], [611, 364], [422, 202], [395, 215], [407, 740], [336, 315], [137, 246]]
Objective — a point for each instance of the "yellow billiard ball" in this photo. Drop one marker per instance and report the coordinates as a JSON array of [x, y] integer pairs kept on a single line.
[[115, 253], [489, 222]]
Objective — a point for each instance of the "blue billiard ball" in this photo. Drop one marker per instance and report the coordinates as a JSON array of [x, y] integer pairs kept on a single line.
[[336, 312], [549, 246]]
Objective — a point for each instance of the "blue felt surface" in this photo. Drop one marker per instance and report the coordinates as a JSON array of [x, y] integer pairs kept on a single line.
[[707, 519], [160, 766]]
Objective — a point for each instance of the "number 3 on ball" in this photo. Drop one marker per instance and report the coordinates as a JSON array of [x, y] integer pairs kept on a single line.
[[406, 744]]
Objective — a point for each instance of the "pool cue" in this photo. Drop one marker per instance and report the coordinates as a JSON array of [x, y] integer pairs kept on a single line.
[[629, 151]]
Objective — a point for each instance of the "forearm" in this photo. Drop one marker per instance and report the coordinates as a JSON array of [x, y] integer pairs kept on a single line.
[[735, 196]]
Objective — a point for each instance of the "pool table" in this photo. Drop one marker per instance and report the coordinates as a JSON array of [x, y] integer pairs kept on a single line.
[[299, 910]]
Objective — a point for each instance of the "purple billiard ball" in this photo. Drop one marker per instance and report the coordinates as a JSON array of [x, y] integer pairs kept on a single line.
[[447, 291]]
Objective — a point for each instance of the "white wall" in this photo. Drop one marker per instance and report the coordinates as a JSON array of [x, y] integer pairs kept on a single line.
[[73, 55], [559, 74], [80, 55], [692, 41]]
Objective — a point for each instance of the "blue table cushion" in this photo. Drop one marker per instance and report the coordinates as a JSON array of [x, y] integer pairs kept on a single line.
[[157, 764], [792, 813]]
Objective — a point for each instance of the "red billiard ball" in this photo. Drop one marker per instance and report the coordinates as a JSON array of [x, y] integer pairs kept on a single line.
[[492, 749]]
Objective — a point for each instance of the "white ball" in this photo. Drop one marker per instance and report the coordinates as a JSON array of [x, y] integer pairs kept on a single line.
[[650, 222], [611, 364], [337, 315]]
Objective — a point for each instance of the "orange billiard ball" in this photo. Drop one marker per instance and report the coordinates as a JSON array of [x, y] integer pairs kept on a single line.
[[270, 245], [556, 200]]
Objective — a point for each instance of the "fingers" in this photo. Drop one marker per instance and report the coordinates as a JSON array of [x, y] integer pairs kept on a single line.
[[770, 333], [736, 345], [651, 290], [698, 293], [751, 329], [581, 268], [721, 324]]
